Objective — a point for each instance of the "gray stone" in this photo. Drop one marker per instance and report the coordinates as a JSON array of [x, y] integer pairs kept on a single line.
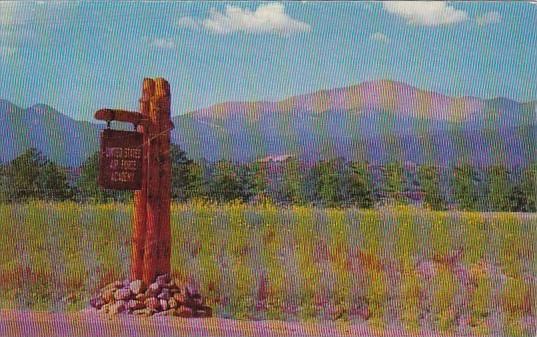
[[179, 298], [163, 279], [164, 295], [117, 308], [153, 290], [172, 303], [108, 295], [135, 305], [174, 290], [184, 312], [152, 303], [144, 312], [164, 305], [122, 294], [105, 308], [191, 291], [137, 287]]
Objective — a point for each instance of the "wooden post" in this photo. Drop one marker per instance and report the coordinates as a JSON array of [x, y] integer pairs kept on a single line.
[[156, 250], [140, 197], [151, 238], [163, 97]]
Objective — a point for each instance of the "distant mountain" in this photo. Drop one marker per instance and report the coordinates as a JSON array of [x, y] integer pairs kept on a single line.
[[376, 121], [376, 96], [60, 138]]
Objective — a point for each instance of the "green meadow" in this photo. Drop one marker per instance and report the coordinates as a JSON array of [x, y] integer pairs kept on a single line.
[[401, 265]]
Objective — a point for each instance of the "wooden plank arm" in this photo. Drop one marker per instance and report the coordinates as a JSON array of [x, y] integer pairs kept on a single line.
[[108, 115]]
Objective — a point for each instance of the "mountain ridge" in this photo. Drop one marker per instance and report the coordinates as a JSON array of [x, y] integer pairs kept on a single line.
[[385, 88], [325, 123], [377, 83]]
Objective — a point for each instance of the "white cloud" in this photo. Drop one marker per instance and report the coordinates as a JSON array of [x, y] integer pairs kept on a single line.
[[379, 37], [188, 22], [488, 18], [162, 43], [267, 18], [426, 13]]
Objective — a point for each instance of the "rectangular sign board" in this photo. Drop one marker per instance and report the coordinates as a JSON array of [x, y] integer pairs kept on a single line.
[[120, 160]]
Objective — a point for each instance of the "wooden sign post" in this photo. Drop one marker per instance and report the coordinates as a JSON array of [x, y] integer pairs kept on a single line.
[[158, 241], [151, 239]]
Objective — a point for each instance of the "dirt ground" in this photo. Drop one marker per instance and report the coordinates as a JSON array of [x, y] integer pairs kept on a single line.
[[91, 323]]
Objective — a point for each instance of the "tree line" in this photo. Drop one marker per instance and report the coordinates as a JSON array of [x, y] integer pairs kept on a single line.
[[332, 183]]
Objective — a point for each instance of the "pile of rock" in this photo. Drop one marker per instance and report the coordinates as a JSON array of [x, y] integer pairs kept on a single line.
[[164, 297]]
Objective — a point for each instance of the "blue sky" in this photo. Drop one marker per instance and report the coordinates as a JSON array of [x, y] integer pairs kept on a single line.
[[81, 56]]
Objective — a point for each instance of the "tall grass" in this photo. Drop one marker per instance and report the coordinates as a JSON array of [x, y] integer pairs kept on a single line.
[[393, 266]]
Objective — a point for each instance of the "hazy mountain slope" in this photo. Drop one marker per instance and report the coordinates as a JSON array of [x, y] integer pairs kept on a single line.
[[376, 121], [60, 138], [369, 121]]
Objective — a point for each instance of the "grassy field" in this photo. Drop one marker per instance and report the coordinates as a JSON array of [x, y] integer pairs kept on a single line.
[[399, 266]]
